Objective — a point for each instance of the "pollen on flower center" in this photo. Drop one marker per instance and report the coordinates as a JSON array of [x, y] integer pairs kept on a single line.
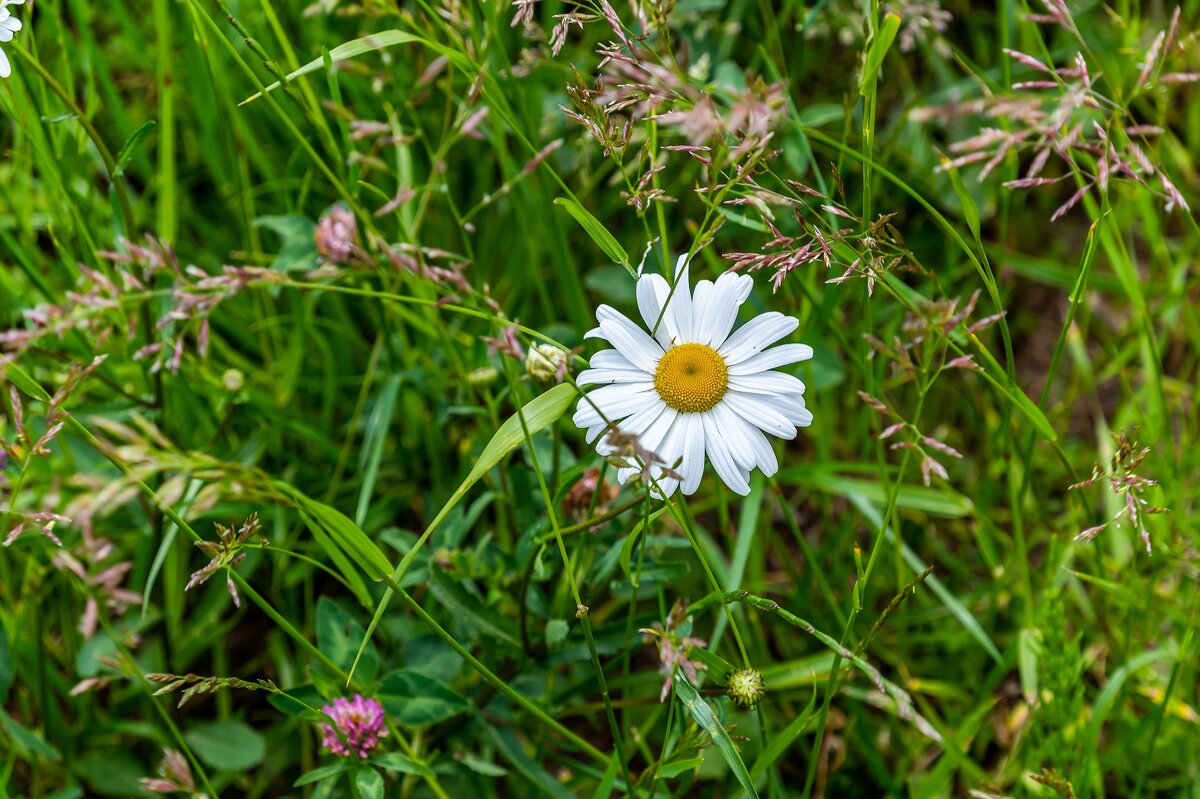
[[691, 378]]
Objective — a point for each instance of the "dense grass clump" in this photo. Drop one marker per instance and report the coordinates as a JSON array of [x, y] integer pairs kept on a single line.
[[294, 305]]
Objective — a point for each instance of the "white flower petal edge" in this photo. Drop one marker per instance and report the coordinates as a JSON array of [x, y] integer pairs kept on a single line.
[[689, 386]]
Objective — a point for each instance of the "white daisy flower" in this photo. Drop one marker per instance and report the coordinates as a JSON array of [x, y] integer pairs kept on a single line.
[[9, 25], [691, 388]]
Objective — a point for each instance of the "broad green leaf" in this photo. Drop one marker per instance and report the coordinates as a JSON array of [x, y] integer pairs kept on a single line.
[[556, 633], [704, 716], [394, 761], [369, 783], [414, 699], [338, 634], [318, 774], [298, 251], [880, 44], [227, 745], [716, 667], [591, 225]]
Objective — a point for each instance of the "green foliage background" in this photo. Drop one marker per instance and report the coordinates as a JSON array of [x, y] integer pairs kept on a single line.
[[353, 407]]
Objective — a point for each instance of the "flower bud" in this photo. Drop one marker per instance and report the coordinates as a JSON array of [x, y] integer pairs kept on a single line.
[[546, 362], [745, 688]]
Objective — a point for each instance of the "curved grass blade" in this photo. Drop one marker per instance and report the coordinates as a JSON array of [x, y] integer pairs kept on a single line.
[[704, 716], [540, 412], [360, 46]]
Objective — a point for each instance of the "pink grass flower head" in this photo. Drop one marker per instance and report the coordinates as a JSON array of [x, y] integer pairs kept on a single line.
[[360, 720], [337, 235]]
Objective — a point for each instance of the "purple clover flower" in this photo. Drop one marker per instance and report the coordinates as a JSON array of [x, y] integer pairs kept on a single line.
[[360, 720]]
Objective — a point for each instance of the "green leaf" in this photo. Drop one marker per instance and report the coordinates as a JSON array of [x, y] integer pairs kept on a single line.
[[556, 633], [880, 44], [298, 252], [935, 501], [130, 146], [414, 699], [604, 240], [631, 540], [470, 610], [704, 716], [352, 540], [485, 767], [1029, 648], [338, 634], [318, 774], [7, 670], [369, 783], [511, 748], [782, 741], [227, 745], [366, 44], [374, 438], [672, 770], [13, 372], [539, 413], [26, 740], [394, 761], [970, 211]]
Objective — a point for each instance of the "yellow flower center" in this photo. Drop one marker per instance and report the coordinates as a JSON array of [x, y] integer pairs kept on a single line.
[[691, 378]]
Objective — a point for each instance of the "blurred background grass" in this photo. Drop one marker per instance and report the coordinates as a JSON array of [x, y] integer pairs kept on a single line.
[[1026, 651]]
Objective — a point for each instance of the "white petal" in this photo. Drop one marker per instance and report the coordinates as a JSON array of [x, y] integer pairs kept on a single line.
[[722, 458], [692, 468], [637, 423], [756, 335], [5, 69], [729, 292], [772, 358], [702, 305], [590, 377], [679, 304], [651, 291], [736, 433], [610, 359], [632, 342], [613, 403], [792, 406], [772, 383], [754, 410]]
